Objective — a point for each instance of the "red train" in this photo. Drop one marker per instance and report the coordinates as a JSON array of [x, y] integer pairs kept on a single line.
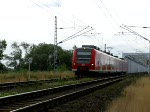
[[90, 60]]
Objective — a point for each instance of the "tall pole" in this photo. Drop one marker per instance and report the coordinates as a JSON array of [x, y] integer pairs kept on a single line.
[[149, 59], [55, 46], [29, 72], [29, 61]]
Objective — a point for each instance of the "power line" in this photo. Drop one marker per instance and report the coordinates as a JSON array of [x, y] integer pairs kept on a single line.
[[107, 14], [68, 20], [132, 31], [111, 16], [74, 22], [79, 33], [46, 9]]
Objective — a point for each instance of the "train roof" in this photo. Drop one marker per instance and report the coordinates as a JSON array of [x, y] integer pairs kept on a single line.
[[97, 48], [91, 46]]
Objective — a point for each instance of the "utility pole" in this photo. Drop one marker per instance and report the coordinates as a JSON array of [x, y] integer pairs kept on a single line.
[[105, 48], [149, 59], [29, 61], [55, 46], [83, 31]]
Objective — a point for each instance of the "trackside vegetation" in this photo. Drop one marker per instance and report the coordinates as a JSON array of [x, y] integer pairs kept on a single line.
[[38, 75], [135, 98], [41, 56], [15, 66]]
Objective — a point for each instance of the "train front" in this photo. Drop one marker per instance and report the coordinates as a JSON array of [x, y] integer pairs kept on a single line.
[[83, 61]]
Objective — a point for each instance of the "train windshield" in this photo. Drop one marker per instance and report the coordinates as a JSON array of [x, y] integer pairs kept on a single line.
[[84, 56]]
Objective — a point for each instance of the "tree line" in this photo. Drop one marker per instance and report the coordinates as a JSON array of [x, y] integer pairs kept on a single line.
[[41, 57]]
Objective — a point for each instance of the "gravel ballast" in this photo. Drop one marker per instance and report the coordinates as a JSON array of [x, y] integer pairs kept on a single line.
[[97, 101]]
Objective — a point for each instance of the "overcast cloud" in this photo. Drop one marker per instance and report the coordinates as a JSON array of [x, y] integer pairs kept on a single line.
[[33, 21]]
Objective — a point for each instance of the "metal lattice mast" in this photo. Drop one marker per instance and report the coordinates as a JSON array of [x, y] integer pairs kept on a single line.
[[55, 45]]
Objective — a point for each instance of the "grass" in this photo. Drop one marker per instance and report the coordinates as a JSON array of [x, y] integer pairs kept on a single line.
[[24, 76], [135, 98]]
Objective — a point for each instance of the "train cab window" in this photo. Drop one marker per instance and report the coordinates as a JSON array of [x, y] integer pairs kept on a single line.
[[84, 56]]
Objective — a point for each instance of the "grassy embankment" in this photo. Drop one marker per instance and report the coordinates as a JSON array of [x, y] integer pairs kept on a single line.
[[24, 76], [135, 98]]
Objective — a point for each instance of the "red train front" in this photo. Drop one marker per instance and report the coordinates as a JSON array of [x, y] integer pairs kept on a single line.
[[89, 60]]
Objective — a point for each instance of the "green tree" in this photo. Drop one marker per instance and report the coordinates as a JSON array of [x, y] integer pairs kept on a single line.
[[43, 57], [15, 56], [26, 46], [3, 46], [65, 57], [16, 59]]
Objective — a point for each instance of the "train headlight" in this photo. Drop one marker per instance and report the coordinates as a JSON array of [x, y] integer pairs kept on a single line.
[[74, 63], [92, 64]]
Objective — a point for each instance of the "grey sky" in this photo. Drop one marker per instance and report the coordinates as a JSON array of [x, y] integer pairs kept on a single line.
[[32, 21]]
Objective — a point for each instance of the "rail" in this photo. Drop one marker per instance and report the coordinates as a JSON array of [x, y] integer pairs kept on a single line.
[[47, 98], [10, 85]]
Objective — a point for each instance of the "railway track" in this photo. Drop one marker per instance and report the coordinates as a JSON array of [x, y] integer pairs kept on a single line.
[[42, 100], [11, 85]]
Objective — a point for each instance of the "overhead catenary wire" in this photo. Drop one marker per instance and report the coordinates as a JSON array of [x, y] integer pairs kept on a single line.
[[113, 20], [57, 3], [79, 33], [107, 14], [68, 21], [132, 31], [40, 6], [70, 24]]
